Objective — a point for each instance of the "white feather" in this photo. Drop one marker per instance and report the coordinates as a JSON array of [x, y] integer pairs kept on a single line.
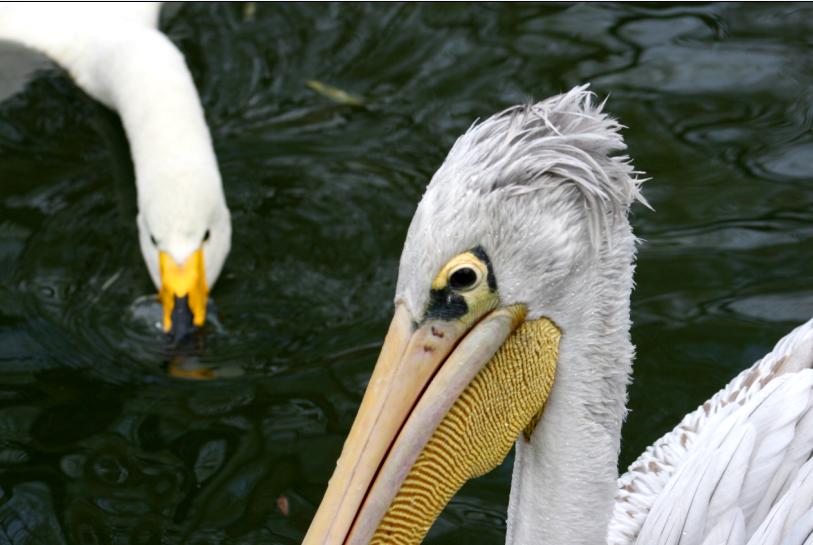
[[734, 457], [788, 512], [729, 530], [802, 531], [797, 453], [774, 395]]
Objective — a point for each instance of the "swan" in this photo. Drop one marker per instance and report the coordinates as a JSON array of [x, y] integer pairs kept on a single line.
[[512, 326], [115, 53]]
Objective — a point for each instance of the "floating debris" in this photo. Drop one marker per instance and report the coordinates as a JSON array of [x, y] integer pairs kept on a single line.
[[249, 10], [335, 94], [282, 505]]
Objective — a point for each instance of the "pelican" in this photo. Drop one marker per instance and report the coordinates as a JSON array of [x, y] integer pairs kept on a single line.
[[512, 326], [115, 53]]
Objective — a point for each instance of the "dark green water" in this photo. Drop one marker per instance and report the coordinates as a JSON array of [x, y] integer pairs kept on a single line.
[[99, 445]]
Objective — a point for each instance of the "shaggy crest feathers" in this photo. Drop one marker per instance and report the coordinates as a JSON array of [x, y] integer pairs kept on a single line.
[[565, 141]]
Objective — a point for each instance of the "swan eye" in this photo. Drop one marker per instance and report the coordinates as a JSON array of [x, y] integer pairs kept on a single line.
[[206, 235], [463, 278], [154, 242]]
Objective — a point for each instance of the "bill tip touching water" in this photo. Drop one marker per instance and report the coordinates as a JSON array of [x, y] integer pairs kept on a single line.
[[116, 54], [512, 320]]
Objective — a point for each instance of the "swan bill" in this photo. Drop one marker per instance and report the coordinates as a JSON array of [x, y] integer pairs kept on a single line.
[[446, 401], [183, 293]]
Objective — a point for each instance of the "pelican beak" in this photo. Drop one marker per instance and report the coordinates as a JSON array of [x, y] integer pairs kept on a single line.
[[446, 401], [183, 293]]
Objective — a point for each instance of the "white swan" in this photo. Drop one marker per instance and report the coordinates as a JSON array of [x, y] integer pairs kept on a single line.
[[512, 325], [115, 53]]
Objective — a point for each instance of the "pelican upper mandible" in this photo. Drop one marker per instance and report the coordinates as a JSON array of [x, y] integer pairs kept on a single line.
[[115, 53], [512, 325]]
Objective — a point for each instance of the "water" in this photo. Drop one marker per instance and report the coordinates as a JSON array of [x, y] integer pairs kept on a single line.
[[98, 444]]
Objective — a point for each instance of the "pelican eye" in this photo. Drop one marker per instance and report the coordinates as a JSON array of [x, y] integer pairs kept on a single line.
[[154, 242], [463, 279], [464, 288], [206, 235]]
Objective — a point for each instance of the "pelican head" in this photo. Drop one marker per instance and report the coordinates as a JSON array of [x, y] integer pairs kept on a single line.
[[503, 273]]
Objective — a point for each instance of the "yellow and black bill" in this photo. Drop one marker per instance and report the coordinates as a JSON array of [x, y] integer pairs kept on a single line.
[[183, 293], [446, 401]]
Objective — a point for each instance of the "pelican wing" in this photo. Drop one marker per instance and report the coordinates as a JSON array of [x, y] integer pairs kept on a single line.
[[736, 469], [729, 530]]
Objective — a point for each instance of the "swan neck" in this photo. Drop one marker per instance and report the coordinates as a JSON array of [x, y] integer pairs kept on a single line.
[[135, 70], [155, 96]]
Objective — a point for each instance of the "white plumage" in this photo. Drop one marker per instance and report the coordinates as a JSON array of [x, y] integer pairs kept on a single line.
[[738, 469], [114, 52]]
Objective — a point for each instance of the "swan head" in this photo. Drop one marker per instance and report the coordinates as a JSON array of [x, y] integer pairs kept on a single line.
[[185, 237], [492, 275]]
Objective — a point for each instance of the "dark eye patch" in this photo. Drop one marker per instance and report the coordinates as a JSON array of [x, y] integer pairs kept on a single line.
[[463, 278], [445, 305]]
